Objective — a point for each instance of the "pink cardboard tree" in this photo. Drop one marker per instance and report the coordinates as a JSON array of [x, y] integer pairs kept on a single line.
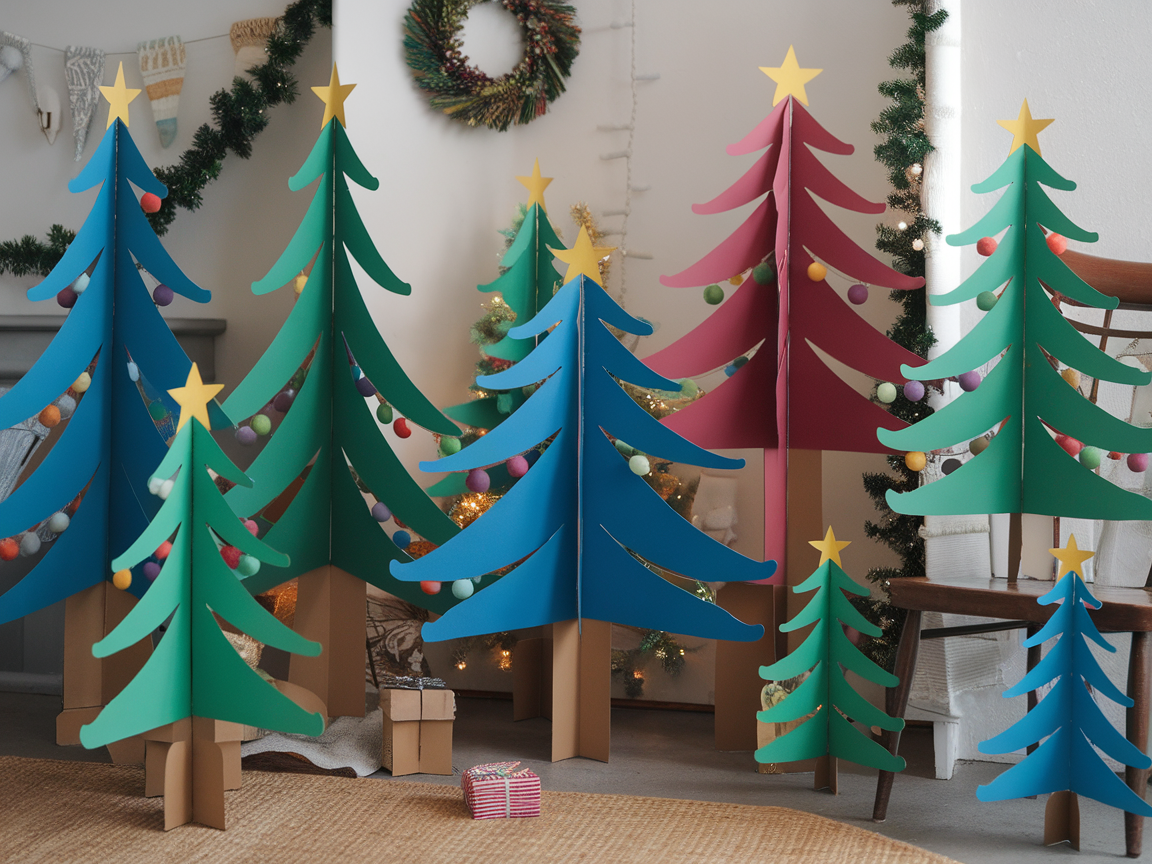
[[785, 399]]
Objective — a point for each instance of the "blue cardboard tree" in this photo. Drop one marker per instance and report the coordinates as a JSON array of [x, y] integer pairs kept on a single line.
[[110, 352], [581, 516], [1067, 720], [194, 671], [825, 698], [326, 360]]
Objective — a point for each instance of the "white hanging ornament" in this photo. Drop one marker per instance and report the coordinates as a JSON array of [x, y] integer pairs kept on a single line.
[[918, 244], [10, 60]]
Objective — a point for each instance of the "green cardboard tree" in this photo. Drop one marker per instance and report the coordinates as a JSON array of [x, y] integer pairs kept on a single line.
[[1024, 400], [825, 697], [330, 348], [194, 671]]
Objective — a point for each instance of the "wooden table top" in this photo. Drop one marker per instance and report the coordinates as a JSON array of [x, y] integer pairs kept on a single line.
[[1123, 609]]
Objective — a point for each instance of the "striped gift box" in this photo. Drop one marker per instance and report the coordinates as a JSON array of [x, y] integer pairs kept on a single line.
[[498, 791]]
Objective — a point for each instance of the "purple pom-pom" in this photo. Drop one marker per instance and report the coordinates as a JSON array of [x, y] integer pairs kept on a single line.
[[151, 570], [246, 435], [162, 295], [364, 387], [914, 391], [969, 381], [283, 400], [517, 466], [858, 294], [478, 480], [380, 512], [1137, 462], [67, 297]]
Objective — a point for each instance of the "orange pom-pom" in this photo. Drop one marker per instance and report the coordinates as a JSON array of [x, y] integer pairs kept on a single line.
[[9, 549], [50, 416], [817, 271], [149, 203], [430, 587], [986, 246], [915, 460], [1057, 243]]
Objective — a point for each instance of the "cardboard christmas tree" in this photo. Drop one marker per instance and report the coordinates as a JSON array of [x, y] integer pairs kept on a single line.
[[581, 525], [101, 386], [195, 688], [785, 400], [327, 359], [825, 701], [1024, 402], [1067, 720]]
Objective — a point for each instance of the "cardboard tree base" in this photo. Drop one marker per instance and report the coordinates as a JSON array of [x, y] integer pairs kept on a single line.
[[532, 677], [1062, 820], [738, 682], [826, 776], [331, 608], [192, 763], [91, 683]]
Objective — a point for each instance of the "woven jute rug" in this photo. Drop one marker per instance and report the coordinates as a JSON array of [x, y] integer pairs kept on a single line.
[[72, 811]]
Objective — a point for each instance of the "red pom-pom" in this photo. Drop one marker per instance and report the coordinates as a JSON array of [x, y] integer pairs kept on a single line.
[[231, 556], [9, 549], [1071, 446], [1057, 243], [400, 427], [149, 203], [163, 550], [986, 246], [251, 525], [430, 587]]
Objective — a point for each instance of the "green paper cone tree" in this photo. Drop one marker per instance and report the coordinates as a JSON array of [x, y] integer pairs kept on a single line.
[[825, 693]]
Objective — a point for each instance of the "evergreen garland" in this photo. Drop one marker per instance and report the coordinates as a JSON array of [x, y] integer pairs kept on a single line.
[[903, 151], [240, 115]]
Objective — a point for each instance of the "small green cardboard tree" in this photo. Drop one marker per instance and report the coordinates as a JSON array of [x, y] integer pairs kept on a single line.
[[825, 697]]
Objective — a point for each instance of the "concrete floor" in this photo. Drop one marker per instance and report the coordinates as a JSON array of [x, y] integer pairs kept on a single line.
[[669, 754]]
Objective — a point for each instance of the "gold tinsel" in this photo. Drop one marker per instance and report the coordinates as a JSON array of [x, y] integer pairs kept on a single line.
[[471, 506], [281, 602], [419, 548], [582, 216], [665, 483]]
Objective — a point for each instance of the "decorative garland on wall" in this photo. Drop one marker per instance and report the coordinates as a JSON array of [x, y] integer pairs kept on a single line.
[[433, 50], [239, 115]]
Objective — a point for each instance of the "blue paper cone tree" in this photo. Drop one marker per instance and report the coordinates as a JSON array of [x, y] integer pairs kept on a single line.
[[825, 698], [1067, 719], [114, 358], [1024, 401], [194, 670], [581, 519], [325, 361]]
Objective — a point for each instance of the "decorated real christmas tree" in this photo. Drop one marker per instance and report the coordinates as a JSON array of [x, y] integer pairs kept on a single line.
[[102, 382], [325, 361], [1067, 719], [1012, 415], [194, 671], [785, 399], [825, 694], [581, 518]]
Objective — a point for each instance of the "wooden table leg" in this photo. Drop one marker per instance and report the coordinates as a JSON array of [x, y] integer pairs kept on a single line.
[[896, 702], [1137, 729]]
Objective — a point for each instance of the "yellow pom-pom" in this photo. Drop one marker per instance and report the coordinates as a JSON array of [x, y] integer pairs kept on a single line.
[[738, 279], [122, 579], [300, 282], [1072, 377], [82, 383], [915, 460], [817, 271]]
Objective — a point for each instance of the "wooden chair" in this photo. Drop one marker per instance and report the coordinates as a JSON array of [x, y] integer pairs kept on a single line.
[[1014, 601]]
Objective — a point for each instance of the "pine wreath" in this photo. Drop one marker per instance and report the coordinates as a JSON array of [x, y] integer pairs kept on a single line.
[[432, 47]]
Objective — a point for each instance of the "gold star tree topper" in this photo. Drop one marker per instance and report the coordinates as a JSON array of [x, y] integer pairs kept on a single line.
[[333, 97], [535, 184], [583, 259], [829, 547], [1024, 129], [193, 398], [1071, 557], [790, 78], [118, 97]]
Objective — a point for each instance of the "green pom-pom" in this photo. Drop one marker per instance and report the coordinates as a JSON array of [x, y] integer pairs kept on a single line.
[[689, 388], [384, 413], [623, 448], [739, 361], [713, 295], [449, 445], [157, 411], [1090, 457], [764, 273], [886, 393], [985, 300], [248, 566], [504, 403], [261, 425]]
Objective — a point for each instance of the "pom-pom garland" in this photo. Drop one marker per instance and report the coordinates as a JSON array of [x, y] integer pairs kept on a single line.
[[478, 480], [1090, 457], [66, 298], [1057, 243], [402, 539], [915, 460], [246, 435], [384, 413], [50, 416], [430, 587], [162, 295], [986, 246], [122, 579], [231, 556], [858, 294], [639, 465], [517, 466], [969, 381], [914, 391], [817, 271], [400, 427], [985, 300], [1137, 462], [9, 549], [978, 445], [82, 383], [150, 202], [261, 424], [380, 512], [462, 589], [713, 295], [886, 392]]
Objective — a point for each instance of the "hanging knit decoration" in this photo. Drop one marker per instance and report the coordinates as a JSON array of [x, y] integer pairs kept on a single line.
[[162, 67], [84, 70], [248, 40], [433, 49]]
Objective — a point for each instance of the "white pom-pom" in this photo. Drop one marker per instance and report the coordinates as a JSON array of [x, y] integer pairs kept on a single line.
[[81, 283], [67, 406], [154, 484], [10, 60], [58, 523], [29, 544], [166, 489], [133, 371]]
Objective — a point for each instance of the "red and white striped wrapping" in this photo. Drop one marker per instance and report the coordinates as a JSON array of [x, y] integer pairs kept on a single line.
[[498, 791]]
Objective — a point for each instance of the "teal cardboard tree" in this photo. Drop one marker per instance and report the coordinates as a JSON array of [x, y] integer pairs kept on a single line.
[[1024, 400], [195, 671], [825, 693], [1068, 719], [326, 422]]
